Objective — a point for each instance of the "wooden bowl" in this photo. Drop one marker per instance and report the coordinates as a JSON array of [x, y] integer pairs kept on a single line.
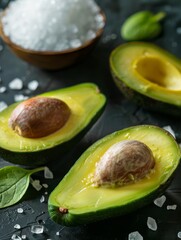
[[52, 60]]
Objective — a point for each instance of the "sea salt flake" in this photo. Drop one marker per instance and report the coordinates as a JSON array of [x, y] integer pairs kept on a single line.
[[3, 89], [20, 97], [42, 199], [151, 223], [33, 85], [37, 229], [16, 84], [170, 130], [36, 184], [46, 193], [17, 226], [20, 210], [179, 234], [45, 185], [1, 48], [23, 236], [47, 173], [75, 43], [178, 30], [172, 207], [160, 201], [3, 106], [135, 236], [15, 237]]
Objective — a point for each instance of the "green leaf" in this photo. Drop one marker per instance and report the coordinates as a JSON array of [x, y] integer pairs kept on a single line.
[[142, 25], [14, 182]]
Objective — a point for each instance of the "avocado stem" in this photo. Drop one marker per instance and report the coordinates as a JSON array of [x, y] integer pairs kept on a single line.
[[159, 16], [63, 210]]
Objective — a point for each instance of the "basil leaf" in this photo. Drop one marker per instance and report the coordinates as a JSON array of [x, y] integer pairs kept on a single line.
[[14, 182]]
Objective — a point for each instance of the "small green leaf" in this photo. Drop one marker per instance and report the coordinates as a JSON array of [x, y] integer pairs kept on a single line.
[[142, 25], [14, 182]]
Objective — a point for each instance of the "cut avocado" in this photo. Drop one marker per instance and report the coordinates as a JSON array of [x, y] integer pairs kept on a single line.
[[76, 200], [85, 103], [148, 75]]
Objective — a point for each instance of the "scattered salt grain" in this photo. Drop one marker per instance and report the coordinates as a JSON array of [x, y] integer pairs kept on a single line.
[[17, 226], [59, 25], [160, 201], [46, 193], [45, 185], [1, 48], [42, 199], [3, 105], [33, 85], [170, 130], [135, 236], [179, 234], [19, 97], [57, 233], [172, 207], [151, 223], [16, 84], [2, 89], [36, 184], [15, 237], [47, 173], [37, 229], [23, 236], [178, 30], [20, 210]]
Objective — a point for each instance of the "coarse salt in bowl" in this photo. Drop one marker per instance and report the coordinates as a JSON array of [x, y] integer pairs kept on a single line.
[[37, 30]]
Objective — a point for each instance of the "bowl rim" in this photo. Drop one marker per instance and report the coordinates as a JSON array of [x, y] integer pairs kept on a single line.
[[8, 41]]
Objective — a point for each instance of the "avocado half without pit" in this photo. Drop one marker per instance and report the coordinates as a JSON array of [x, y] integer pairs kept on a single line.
[[148, 75], [116, 175], [41, 128]]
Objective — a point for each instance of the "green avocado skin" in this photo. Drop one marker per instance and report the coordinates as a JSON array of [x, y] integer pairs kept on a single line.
[[146, 102], [71, 220]]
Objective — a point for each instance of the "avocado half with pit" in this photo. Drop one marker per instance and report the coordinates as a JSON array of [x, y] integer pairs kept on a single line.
[[81, 197], [84, 102], [148, 75]]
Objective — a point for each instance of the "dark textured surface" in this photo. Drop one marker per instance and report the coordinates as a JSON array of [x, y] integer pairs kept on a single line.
[[119, 113]]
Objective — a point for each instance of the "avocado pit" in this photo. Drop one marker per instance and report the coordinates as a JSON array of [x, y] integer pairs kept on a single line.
[[123, 163], [39, 116]]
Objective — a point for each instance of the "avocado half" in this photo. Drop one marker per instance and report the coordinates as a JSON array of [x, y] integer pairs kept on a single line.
[[77, 201], [86, 104], [148, 75]]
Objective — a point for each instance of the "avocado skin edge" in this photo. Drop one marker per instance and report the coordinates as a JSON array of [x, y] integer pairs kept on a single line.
[[145, 101], [71, 220], [42, 157]]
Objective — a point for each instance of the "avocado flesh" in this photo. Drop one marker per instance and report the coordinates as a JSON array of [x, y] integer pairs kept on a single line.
[[86, 203], [148, 70], [85, 102]]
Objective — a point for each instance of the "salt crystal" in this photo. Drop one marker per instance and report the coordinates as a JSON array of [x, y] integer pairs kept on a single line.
[[151, 223], [1, 48], [16, 84], [55, 22], [3, 106], [20, 210], [45, 185], [178, 30], [46, 193], [172, 207], [170, 130], [57, 233], [2, 89], [160, 201], [135, 236], [17, 226], [36, 184], [33, 85], [179, 234], [37, 229], [19, 97], [23, 236], [15, 237], [47, 173], [42, 199]]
